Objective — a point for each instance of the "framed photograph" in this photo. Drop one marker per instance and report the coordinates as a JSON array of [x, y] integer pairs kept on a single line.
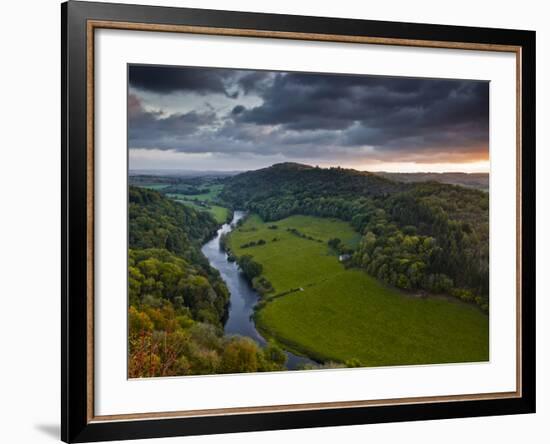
[[276, 221]]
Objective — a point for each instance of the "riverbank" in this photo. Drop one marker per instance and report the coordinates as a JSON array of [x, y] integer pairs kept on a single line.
[[243, 299]]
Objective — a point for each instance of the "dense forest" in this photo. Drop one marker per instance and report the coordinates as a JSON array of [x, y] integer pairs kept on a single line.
[[428, 236], [178, 303]]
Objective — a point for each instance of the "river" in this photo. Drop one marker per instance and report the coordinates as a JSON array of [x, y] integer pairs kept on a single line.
[[243, 296]]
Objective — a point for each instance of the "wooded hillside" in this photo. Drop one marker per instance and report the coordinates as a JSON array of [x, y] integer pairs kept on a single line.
[[425, 236]]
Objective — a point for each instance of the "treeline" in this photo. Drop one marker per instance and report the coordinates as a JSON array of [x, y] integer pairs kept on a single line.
[[177, 302], [417, 236]]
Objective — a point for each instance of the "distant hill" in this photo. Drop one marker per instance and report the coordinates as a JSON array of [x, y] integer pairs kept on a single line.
[[304, 181], [478, 181]]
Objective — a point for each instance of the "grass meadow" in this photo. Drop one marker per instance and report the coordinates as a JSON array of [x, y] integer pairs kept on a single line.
[[219, 213], [204, 202], [213, 192], [330, 313]]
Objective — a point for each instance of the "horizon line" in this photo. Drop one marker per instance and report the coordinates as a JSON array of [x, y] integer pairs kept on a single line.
[[383, 171]]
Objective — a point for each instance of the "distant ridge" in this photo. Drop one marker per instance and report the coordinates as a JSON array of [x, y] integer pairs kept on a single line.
[[181, 173], [478, 181]]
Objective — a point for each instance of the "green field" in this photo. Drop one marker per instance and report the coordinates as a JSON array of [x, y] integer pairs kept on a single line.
[[204, 202], [213, 192], [219, 213], [341, 314]]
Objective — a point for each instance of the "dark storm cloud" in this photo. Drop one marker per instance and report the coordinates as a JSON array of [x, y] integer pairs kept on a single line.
[[166, 79], [195, 132], [384, 112], [301, 115]]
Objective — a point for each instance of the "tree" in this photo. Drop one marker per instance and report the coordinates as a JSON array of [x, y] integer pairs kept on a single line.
[[403, 282], [274, 354], [249, 267], [240, 355], [334, 243]]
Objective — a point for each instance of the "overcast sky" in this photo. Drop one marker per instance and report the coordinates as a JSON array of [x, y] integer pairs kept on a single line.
[[227, 119]]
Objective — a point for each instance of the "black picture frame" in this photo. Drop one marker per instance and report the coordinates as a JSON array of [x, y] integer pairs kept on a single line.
[[76, 423]]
